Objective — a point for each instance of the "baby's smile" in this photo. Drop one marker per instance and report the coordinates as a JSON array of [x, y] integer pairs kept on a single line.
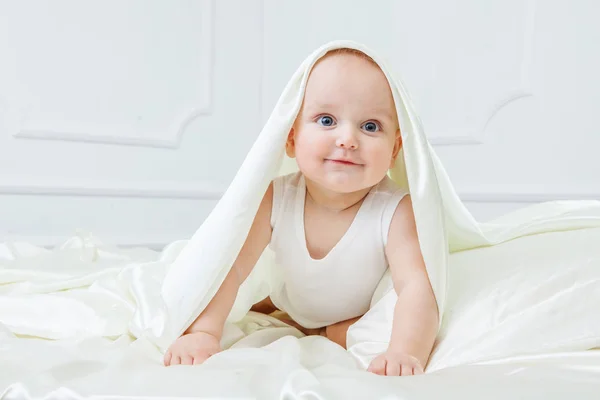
[[343, 161]]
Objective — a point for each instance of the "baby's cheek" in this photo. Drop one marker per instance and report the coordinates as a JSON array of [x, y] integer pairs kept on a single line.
[[308, 161], [381, 158]]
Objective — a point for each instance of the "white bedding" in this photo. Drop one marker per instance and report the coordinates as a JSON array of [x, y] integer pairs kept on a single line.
[[535, 300], [97, 369]]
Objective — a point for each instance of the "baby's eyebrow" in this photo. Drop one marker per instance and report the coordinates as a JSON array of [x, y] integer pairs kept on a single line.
[[321, 106], [383, 112]]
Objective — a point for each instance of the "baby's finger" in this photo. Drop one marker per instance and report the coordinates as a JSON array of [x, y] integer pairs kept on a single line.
[[167, 358], [406, 370], [393, 369], [200, 355], [199, 360], [378, 366], [187, 360], [175, 360]]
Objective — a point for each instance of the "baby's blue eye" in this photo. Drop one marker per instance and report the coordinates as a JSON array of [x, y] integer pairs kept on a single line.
[[325, 120], [371, 126]]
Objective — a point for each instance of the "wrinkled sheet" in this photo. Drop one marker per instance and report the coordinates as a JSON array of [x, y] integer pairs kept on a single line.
[[520, 318], [288, 368]]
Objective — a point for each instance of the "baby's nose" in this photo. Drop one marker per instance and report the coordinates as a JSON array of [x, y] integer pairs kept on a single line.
[[347, 139]]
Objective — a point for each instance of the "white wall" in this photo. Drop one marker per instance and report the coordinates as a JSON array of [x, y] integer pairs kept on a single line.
[[118, 117], [128, 119]]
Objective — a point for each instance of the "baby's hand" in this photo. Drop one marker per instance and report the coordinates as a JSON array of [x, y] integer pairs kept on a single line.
[[395, 364], [192, 348]]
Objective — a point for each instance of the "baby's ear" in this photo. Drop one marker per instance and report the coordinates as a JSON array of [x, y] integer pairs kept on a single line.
[[397, 147], [290, 145]]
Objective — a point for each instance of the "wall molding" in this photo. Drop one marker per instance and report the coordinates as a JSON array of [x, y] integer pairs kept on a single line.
[[478, 136], [174, 136], [87, 188], [213, 191], [527, 197]]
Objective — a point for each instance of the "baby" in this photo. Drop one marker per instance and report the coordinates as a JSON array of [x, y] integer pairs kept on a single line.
[[336, 225]]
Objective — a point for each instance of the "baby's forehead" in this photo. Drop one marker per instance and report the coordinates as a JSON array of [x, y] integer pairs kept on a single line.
[[334, 62], [347, 67], [344, 77]]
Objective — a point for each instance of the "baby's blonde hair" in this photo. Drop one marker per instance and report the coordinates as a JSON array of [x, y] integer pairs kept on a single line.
[[350, 51]]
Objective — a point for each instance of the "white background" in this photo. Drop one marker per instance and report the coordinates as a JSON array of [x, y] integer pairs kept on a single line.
[[128, 119]]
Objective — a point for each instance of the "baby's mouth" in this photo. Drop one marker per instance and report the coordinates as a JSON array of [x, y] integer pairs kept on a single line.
[[341, 161]]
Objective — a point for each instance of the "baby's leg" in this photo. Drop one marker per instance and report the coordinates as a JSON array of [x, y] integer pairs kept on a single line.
[[338, 331], [265, 306]]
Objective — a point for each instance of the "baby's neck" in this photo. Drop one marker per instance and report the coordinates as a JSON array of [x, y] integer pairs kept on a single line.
[[334, 201]]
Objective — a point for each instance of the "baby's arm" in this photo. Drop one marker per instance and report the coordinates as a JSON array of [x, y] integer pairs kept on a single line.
[[415, 321], [212, 319], [202, 337]]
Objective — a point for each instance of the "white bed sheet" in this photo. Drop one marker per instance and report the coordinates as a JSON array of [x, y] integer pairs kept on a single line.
[[308, 368], [520, 319]]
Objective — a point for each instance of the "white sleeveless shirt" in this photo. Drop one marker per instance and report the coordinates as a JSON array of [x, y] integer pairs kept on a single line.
[[317, 293]]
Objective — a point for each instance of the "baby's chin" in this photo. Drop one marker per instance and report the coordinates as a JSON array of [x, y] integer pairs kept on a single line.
[[340, 182]]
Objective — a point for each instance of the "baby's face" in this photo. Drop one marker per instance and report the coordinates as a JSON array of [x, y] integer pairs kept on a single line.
[[346, 134]]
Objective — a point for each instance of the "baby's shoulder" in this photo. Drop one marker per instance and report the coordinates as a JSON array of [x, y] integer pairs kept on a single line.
[[287, 181], [288, 178], [387, 188], [284, 189]]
